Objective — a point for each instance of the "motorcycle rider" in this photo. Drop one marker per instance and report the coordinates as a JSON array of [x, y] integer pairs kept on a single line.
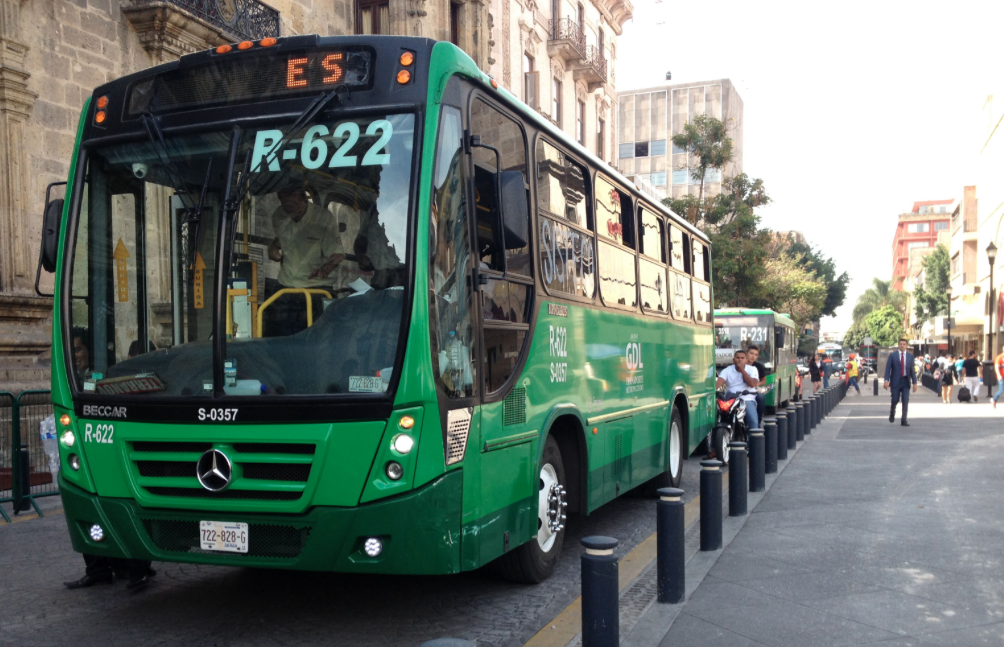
[[741, 377]]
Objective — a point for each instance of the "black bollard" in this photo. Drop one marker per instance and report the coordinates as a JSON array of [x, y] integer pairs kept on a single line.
[[600, 612], [792, 416], [782, 442], [813, 412], [782, 427], [770, 448], [803, 420], [757, 478], [738, 480], [711, 506], [670, 555], [792, 435], [875, 386]]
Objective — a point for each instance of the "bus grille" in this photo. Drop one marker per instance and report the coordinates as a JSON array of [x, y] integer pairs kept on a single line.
[[264, 540], [264, 471], [514, 407], [458, 425]]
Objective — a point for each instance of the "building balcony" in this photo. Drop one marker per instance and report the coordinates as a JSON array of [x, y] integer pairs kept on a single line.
[[592, 70], [567, 41], [172, 28]]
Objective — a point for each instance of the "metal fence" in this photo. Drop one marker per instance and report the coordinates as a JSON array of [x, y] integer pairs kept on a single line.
[[25, 473]]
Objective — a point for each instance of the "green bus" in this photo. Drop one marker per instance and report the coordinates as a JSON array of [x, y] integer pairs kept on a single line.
[[341, 303], [776, 336]]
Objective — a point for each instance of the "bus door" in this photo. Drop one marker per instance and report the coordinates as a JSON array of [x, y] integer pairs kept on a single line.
[[505, 282]]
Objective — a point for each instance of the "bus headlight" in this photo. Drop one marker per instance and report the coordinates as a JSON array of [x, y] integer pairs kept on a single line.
[[394, 471], [74, 462], [403, 443], [68, 438], [97, 533], [373, 547]]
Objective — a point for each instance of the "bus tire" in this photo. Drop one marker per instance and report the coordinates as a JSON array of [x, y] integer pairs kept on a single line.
[[677, 452], [534, 561]]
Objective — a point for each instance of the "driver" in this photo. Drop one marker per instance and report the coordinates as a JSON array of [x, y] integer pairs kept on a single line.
[[308, 246], [307, 240], [740, 377]]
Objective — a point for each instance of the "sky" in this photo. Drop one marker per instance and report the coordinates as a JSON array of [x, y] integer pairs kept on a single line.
[[852, 110]]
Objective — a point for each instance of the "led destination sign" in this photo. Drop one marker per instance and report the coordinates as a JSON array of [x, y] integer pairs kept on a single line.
[[237, 78]]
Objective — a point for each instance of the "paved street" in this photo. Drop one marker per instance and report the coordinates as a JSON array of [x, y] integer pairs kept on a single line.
[[874, 533], [205, 605]]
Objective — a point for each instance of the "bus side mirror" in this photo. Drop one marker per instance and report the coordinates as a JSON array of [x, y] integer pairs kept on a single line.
[[49, 248], [514, 210]]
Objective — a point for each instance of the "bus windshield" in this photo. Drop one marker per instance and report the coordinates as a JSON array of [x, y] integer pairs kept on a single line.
[[314, 274], [739, 332]]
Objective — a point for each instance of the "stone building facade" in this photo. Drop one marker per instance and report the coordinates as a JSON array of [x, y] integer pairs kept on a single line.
[[55, 52]]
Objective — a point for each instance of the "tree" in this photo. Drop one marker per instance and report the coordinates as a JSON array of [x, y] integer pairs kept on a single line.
[[825, 269], [885, 325], [789, 286], [705, 140], [855, 335], [738, 244], [878, 296], [932, 297]]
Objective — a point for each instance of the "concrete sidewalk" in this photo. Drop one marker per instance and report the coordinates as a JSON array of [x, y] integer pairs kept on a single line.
[[874, 533]]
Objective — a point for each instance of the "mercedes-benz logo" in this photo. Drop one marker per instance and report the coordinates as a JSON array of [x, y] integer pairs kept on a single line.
[[214, 470]]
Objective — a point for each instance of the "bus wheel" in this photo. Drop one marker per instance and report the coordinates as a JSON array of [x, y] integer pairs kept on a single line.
[[677, 452], [534, 561]]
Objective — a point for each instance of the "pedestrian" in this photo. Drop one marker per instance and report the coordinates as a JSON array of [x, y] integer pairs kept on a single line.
[[752, 354], [949, 376], [741, 377], [852, 374], [827, 369], [972, 373], [899, 374], [104, 570], [814, 376], [999, 367]]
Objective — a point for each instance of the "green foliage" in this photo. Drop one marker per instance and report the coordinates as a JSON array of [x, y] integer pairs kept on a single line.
[[789, 285], [885, 325], [931, 298], [825, 269], [878, 296], [855, 335], [708, 144], [738, 244]]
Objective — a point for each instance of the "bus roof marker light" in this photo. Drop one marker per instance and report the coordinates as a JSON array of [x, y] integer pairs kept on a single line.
[[224, 49], [100, 117], [407, 59], [267, 42], [403, 77], [245, 44], [102, 102], [373, 547], [402, 443], [495, 84]]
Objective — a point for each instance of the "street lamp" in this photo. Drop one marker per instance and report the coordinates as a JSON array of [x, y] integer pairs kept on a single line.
[[948, 322], [992, 256]]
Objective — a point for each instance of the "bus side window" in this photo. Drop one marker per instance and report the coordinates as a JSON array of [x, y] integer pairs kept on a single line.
[[451, 294], [500, 132]]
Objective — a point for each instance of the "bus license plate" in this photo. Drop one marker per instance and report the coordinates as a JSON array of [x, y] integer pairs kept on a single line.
[[225, 536]]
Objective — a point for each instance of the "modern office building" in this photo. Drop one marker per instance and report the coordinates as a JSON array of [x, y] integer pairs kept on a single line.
[[648, 118], [918, 229]]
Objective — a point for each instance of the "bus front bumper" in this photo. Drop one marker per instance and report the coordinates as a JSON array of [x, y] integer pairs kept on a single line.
[[420, 532]]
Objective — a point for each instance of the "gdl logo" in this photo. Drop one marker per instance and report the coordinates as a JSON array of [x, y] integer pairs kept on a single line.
[[632, 356]]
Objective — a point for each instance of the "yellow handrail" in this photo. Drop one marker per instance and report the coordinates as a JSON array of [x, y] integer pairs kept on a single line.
[[306, 292]]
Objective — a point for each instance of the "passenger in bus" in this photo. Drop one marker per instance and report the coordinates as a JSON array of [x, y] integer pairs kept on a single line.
[[81, 352]]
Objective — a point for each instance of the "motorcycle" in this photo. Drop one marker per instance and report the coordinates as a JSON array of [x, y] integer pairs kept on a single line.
[[731, 425]]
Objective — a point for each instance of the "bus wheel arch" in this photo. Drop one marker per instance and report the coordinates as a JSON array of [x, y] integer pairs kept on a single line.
[[570, 435]]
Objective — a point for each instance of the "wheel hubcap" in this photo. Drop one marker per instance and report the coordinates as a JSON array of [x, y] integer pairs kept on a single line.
[[550, 508], [674, 450]]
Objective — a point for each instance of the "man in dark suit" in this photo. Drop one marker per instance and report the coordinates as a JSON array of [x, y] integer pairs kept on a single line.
[[900, 375]]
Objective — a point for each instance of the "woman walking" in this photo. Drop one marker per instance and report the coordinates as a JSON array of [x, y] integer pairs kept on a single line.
[[948, 377], [814, 374]]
